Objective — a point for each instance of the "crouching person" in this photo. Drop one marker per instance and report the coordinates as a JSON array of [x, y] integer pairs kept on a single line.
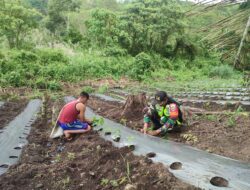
[[72, 117], [162, 116]]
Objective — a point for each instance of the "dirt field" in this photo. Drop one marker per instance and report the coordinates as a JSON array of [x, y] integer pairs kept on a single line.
[[88, 162], [226, 133]]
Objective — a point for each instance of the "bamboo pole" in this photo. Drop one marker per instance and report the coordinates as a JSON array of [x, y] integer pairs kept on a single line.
[[241, 43]]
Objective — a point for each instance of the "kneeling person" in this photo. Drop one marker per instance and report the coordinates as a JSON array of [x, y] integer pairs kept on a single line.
[[164, 114], [72, 116]]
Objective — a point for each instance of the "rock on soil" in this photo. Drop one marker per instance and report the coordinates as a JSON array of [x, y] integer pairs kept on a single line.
[[130, 187]]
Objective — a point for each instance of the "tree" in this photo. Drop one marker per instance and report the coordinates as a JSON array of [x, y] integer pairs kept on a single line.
[[40, 5], [102, 28], [145, 26], [16, 21], [58, 19], [153, 25]]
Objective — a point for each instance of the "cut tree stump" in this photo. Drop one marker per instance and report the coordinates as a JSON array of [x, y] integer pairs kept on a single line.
[[132, 109]]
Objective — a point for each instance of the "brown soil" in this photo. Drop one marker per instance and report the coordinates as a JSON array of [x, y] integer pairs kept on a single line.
[[10, 110], [130, 112], [220, 133], [88, 162]]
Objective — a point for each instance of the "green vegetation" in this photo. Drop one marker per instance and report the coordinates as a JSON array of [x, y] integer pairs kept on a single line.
[[45, 43]]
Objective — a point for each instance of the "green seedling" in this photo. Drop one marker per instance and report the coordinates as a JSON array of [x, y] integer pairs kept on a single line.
[[122, 180], [114, 183], [98, 121], [58, 158], [123, 121], [240, 109], [231, 122], [127, 168], [211, 117], [65, 182], [104, 181], [71, 155]]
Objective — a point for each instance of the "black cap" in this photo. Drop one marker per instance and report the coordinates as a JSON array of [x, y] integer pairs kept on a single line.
[[160, 96]]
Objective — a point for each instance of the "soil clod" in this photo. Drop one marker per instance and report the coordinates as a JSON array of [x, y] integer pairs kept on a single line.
[[219, 182], [39, 186], [151, 155], [176, 166], [148, 161], [92, 173], [130, 187]]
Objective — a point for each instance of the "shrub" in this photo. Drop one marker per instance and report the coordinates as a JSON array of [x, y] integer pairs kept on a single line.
[[54, 85], [23, 57], [73, 36], [15, 79], [40, 83], [115, 51], [141, 66], [48, 56], [103, 89], [88, 89], [222, 71]]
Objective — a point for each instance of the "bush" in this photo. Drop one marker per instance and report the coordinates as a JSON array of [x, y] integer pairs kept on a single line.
[[23, 57], [48, 56], [88, 89], [40, 83], [103, 89], [222, 71], [54, 85], [115, 51], [73, 36], [15, 79], [141, 66]]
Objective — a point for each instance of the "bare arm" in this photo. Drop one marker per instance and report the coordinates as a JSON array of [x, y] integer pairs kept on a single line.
[[82, 108]]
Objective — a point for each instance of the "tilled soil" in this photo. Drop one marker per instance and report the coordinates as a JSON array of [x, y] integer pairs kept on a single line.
[[88, 162], [220, 133], [10, 110]]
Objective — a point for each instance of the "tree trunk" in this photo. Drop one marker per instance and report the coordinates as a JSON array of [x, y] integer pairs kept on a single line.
[[133, 107]]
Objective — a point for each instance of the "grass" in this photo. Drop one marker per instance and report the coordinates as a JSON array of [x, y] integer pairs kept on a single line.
[[191, 80], [48, 68]]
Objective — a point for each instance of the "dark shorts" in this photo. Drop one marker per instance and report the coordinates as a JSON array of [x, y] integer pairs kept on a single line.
[[76, 125]]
